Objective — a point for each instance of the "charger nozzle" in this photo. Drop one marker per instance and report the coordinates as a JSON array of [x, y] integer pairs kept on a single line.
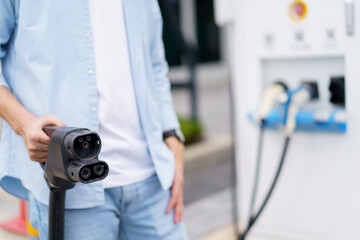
[[298, 98], [73, 157], [270, 97]]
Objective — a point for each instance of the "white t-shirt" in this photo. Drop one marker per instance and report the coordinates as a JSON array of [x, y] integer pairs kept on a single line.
[[124, 145]]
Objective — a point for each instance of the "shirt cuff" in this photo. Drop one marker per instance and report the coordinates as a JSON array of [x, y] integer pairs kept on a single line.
[[169, 120], [3, 81]]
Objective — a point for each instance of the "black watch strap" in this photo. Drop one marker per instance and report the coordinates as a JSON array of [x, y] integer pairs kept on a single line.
[[174, 133]]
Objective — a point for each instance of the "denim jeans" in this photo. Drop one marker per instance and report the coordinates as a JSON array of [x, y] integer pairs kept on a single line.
[[132, 212]]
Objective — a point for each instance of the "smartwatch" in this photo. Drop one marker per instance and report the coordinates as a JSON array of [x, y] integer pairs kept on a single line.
[[174, 133]]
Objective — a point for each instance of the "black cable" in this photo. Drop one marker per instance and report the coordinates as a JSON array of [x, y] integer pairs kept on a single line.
[[257, 170], [56, 214], [255, 217]]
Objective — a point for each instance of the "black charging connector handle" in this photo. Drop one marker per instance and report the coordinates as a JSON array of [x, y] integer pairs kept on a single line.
[[49, 130], [66, 161], [56, 204]]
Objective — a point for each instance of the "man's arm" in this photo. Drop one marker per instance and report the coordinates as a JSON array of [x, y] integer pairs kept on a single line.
[[7, 25], [27, 125], [21, 121], [160, 68], [168, 116]]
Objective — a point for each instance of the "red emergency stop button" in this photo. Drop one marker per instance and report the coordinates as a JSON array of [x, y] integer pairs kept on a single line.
[[298, 10]]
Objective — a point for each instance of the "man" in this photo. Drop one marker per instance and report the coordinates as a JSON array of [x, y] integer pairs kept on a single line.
[[100, 65]]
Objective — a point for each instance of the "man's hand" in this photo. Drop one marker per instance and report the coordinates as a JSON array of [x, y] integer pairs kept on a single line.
[[27, 125], [35, 139], [177, 196]]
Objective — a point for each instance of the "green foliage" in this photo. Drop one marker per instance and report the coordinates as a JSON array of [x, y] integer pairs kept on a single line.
[[192, 130]]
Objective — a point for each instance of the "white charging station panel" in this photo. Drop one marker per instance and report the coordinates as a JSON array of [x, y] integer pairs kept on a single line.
[[318, 195]]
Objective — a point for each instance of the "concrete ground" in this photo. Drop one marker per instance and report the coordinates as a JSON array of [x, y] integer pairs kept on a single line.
[[208, 198]]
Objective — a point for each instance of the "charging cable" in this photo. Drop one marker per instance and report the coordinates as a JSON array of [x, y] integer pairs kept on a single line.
[[296, 99], [270, 98]]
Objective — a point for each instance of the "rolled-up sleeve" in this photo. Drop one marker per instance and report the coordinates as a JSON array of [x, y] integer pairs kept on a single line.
[[160, 67], [7, 24]]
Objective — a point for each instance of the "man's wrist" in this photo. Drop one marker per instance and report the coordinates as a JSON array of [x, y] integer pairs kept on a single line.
[[176, 147], [22, 122], [13, 112], [174, 133]]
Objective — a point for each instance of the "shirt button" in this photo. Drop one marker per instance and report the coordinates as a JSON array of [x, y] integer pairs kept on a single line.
[[91, 72], [88, 35], [93, 109]]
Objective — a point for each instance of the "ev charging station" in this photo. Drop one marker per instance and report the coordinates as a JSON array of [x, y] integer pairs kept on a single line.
[[295, 41]]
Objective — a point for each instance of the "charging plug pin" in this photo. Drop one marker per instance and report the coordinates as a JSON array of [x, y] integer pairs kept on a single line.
[[85, 173], [99, 169], [85, 144]]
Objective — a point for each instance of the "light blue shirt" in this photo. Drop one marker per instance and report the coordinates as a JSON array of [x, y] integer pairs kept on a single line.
[[47, 58]]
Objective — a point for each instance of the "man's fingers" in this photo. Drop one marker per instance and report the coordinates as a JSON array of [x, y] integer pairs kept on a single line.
[[38, 156], [179, 209], [38, 146], [36, 140], [174, 197], [49, 120], [171, 204], [43, 138], [39, 137], [175, 191]]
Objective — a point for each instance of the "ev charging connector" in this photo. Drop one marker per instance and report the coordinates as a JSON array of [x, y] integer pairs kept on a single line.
[[299, 97], [72, 157], [270, 97]]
